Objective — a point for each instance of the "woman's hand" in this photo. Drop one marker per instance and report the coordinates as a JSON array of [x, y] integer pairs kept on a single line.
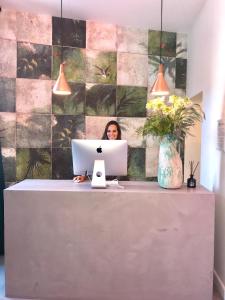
[[79, 179]]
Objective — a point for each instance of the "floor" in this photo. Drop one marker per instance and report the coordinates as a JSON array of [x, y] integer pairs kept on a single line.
[[216, 296]]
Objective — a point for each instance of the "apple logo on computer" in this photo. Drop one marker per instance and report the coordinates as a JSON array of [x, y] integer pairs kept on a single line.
[[99, 149]]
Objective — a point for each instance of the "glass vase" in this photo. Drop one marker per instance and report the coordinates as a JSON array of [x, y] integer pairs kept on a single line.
[[170, 168]]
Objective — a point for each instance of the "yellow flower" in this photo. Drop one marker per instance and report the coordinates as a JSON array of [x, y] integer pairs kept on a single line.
[[174, 116], [172, 99], [167, 110], [170, 107], [155, 104]]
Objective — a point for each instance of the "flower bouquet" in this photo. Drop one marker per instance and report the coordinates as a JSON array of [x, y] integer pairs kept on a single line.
[[170, 120]]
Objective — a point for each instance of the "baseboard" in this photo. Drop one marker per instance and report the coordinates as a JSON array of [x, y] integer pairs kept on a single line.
[[218, 283]]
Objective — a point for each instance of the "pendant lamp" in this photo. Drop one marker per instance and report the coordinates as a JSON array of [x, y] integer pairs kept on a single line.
[[61, 86], [160, 87]]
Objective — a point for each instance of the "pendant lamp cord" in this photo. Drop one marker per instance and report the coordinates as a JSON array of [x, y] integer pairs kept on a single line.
[[160, 45], [61, 32]]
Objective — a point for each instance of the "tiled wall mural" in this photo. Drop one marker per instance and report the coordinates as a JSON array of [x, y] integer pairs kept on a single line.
[[110, 70]]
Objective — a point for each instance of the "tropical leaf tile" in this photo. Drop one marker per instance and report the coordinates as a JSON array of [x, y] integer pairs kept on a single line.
[[131, 101], [181, 47], [62, 166], [100, 100], [34, 28], [33, 96], [101, 36], [168, 45], [169, 70], [66, 128], [95, 126], [72, 104], [33, 131], [33, 61], [9, 164], [181, 73], [132, 40], [8, 130], [132, 69], [7, 94], [8, 28], [101, 67], [129, 127], [8, 58], [33, 163], [68, 32], [136, 163], [74, 59]]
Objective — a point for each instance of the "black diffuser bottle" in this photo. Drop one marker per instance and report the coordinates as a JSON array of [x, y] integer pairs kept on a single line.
[[191, 181]]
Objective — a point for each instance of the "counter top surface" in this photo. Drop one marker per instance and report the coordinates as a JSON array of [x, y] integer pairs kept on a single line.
[[124, 186]]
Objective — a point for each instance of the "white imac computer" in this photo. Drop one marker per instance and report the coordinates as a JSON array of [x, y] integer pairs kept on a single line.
[[99, 158]]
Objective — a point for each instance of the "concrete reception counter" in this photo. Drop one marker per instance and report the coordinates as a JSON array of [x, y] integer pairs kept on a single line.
[[68, 241]]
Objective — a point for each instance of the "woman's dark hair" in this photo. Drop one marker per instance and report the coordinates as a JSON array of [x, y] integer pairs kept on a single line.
[[112, 122]]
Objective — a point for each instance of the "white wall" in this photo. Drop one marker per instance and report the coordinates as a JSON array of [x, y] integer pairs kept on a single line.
[[206, 73], [192, 149]]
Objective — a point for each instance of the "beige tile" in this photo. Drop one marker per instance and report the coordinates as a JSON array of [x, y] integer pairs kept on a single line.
[[152, 155], [8, 129], [132, 69], [129, 128], [33, 131], [132, 40]]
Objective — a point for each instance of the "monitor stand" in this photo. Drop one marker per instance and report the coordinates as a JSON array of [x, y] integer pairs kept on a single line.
[[98, 176]]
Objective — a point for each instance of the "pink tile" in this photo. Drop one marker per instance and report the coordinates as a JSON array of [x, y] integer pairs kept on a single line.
[[8, 58], [8, 24], [101, 36], [34, 28], [33, 96]]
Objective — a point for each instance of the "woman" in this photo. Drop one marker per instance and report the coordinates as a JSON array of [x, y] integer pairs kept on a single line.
[[112, 132]]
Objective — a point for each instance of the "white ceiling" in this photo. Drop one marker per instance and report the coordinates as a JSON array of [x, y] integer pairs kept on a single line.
[[178, 15]]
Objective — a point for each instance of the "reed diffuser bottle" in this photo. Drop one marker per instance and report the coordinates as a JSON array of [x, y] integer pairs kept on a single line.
[[191, 181]]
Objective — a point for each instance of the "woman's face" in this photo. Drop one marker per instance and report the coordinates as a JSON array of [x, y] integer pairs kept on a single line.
[[112, 132]]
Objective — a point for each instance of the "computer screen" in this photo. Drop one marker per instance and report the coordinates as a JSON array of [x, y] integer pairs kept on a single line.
[[86, 152]]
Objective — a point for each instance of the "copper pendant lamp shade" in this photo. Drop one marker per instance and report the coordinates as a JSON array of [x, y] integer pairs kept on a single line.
[[160, 87], [61, 86]]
